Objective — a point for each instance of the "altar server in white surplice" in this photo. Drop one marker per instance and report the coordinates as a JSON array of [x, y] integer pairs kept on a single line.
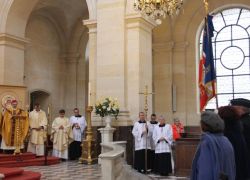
[[38, 126], [78, 125], [163, 138], [152, 124], [61, 135], [141, 133]]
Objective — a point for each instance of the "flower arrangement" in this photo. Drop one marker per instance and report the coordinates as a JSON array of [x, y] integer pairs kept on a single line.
[[107, 106]]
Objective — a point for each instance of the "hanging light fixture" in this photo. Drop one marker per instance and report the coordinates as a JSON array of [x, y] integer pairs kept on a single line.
[[158, 9]]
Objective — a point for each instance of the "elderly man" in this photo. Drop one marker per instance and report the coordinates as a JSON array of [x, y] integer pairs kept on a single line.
[[163, 138], [38, 125], [214, 158], [14, 127]]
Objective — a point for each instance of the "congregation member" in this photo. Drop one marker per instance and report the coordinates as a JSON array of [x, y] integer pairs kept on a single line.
[[38, 130], [214, 158], [61, 134], [163, 138], [11, 115], [242, 106], [78, 125], [177, 128], [152, 124], [233, 131], [142, 143]]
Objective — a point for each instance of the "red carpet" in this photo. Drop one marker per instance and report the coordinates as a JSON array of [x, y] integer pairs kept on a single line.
[[9, 162], [19, 174], [25, 159]]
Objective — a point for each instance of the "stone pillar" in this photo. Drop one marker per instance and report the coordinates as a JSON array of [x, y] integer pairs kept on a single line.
[[71, 61], [138, 62], [110, 66], [179, 78], [12, 59], [107, 134], [163, 83], [123, 63]]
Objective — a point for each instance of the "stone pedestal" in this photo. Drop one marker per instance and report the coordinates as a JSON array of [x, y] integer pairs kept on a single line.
[[107, 134]]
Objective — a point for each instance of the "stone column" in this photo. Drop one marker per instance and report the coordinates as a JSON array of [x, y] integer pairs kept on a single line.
[[111, 55], [179, 78], [111, 50], [163, 83], [71, 61], [12, 59], [138, 62]]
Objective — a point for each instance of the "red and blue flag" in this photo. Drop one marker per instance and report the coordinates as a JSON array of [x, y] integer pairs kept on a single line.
[[207, 75]]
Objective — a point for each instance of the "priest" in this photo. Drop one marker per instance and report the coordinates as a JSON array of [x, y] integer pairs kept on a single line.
[[163, 138], [14, 127], [142, 143], [78, 125], [61, 134], [38, 125]]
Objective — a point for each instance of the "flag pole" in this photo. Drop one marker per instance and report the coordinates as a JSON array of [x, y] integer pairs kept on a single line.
[[206, 6]]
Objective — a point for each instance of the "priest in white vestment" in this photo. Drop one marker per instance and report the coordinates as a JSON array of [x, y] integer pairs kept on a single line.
[[151, 126], [142, 143], [78, 125], [163, 139], [38, 130], [61, 134]]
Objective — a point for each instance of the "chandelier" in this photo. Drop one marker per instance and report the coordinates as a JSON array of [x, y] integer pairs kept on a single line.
[[158, 9]]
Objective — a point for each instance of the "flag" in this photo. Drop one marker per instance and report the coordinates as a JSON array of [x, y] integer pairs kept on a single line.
[[207, 76]]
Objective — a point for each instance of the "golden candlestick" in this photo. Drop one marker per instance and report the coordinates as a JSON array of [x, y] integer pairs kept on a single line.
[[89, 155]]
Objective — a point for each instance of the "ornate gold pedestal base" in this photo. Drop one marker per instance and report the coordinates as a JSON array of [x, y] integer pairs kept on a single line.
[[89, 155]]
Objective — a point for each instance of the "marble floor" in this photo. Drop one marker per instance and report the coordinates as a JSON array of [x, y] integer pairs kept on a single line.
[[72, 170]]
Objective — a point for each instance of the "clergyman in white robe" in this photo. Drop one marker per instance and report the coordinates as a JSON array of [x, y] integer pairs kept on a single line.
[[38, 127], [151, 126], [61, 134], [142, 140], [78, 125], [163, 139]]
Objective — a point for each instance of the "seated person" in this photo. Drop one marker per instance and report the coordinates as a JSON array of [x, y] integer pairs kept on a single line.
[[177, 128]]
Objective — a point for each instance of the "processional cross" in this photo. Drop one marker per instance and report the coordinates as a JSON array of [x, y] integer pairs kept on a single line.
[[146, 94]]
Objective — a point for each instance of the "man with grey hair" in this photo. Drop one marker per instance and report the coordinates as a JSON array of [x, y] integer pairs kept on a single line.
[[163, 139], [214, 158]]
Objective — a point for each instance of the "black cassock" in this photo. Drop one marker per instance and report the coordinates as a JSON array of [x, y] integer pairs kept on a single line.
[[75, 150]]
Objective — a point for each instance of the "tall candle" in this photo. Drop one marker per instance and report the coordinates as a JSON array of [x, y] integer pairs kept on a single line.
[[89, 94], [48, 110]]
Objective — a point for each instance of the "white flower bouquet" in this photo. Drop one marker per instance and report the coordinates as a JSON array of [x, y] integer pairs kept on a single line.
[[107, 106]]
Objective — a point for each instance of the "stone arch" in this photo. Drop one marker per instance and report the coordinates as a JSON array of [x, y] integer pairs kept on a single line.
[[52, 14], [14, 15]]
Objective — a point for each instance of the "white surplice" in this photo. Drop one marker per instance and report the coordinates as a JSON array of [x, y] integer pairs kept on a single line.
[[140, 139], [151, 128], [165, 132], [78, 132]]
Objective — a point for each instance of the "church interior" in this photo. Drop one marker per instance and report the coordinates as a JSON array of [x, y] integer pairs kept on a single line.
[[67, 54]]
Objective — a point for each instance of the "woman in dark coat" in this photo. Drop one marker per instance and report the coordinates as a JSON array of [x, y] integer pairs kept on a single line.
[[233, 131]]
